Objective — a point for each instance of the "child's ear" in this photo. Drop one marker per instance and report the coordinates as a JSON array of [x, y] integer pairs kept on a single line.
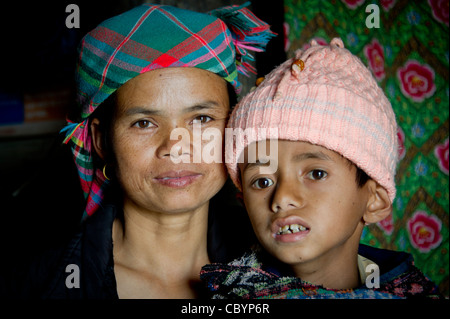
[[97, 138], [378, 205]]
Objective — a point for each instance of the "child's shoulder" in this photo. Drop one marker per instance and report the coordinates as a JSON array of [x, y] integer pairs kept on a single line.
[[238, 278], [256, 275], [386, 259], [248, 263], [398, 273]]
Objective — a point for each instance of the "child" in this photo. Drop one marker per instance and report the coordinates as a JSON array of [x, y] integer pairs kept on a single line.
[[335, 160]]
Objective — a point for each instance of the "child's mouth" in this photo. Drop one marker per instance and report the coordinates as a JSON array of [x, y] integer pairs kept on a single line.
[[291, 229]]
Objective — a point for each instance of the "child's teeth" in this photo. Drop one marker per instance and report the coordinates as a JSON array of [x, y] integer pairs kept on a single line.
[[290, 229]]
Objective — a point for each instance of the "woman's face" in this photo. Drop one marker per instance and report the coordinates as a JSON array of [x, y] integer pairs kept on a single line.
[[158, 173]]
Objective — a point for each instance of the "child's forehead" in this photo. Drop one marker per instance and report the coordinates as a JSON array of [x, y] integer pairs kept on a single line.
[[275, 148], [264, 151]]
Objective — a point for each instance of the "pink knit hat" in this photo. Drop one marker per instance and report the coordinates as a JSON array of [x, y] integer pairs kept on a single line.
[[325, 96]]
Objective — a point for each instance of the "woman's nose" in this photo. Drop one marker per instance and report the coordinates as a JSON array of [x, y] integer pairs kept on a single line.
[[286, 196], [174, 143]]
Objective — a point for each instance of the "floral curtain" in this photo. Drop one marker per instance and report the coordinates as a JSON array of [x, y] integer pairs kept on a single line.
[[407, 49]]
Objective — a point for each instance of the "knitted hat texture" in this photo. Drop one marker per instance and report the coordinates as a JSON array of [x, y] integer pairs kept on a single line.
[[325, 96]]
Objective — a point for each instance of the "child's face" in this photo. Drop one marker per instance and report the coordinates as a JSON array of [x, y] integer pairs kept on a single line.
[[315, 192]]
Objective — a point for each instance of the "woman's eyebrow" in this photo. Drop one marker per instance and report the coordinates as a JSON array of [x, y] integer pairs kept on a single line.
[[141, 110], [201, 106], [146, 111]]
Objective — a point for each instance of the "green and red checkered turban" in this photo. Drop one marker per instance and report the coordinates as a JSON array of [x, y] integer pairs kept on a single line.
[[151, 37]]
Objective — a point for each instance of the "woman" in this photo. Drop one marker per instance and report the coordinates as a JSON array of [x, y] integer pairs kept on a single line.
[[148, 225]]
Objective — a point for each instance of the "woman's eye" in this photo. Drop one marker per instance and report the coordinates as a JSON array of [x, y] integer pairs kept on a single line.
[[202, 119], [317, 174], [262, 183], [143, 124]]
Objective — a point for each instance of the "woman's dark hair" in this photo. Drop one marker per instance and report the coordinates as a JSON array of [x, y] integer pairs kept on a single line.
[[105, 114], [232, 95]]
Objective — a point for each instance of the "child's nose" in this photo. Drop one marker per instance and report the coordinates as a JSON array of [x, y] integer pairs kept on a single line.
[[286, 197]]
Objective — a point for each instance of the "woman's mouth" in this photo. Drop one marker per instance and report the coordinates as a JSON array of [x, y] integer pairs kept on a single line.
[[177, 179]]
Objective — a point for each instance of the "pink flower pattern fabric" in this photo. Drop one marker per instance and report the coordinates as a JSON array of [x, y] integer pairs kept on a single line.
[[424, 231], [417, 80]]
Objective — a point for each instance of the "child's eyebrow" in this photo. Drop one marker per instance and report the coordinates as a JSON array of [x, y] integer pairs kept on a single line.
[[296, 158], [311, 155], [257, 163]]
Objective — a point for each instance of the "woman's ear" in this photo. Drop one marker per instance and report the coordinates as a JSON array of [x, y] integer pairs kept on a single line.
[[97, 138], [378, 205]]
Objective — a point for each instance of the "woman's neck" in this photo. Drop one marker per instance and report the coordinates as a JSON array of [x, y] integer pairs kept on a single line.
[[166, 249]]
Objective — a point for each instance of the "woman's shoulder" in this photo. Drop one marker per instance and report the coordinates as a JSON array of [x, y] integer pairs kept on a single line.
[[30, 278], [58, 271]]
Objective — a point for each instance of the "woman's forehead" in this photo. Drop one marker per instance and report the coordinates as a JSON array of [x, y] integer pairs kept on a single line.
[[179, 88], [174, 74]]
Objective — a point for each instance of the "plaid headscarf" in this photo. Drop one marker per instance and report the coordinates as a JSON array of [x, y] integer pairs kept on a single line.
[[151, 37]]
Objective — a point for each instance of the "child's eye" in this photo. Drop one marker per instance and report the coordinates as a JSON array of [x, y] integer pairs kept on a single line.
[[143, 124], [262, 183], [201, 119], [317, 174]]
